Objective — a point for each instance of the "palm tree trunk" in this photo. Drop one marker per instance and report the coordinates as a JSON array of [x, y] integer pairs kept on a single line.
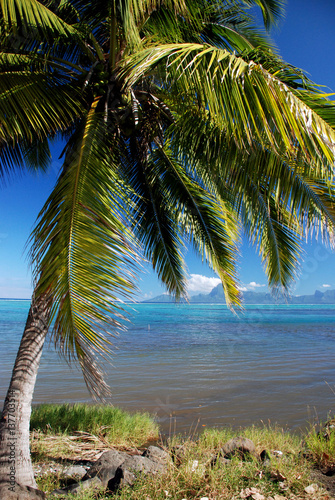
[[15, 461]]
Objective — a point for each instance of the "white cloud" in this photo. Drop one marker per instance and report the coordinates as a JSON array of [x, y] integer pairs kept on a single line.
[[250, 286], [326, 286], [253, 284], [201, 284]]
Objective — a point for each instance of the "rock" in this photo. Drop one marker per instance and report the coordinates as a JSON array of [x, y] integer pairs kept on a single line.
[[239, 446], [123, 477], [311, 489], [115, 469], [106, 466], [10, 491], [76, 488], [75, 471], [109, 460], [156, 454], [138, 463], [99, 475], [128, 471]]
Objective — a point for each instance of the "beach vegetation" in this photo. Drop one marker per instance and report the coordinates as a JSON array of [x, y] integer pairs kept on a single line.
[[113, 426], [283, 466], [320, 445], [181, 126]]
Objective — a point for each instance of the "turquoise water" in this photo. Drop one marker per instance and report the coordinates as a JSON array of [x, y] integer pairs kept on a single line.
[[199, 365]]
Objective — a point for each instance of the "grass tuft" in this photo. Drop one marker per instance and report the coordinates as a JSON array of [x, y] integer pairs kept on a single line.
[[113, 425], [321, 448]]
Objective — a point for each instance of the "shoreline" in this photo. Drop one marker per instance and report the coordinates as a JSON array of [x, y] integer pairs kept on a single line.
[[291, 467]]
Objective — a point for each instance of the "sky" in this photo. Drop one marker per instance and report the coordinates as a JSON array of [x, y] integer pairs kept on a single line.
[[306, 39]]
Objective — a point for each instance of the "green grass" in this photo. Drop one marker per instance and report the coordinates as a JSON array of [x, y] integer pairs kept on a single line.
[[190, 473], [321, 448], [116, 427]]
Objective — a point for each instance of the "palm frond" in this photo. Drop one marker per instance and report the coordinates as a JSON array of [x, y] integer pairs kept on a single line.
[[272, 10], [206, 221], [300, 195], [242, 98], [134, 14], [33, 103], [84, 254], [32, 15], [270, 230], [155, 223], [232, 28]]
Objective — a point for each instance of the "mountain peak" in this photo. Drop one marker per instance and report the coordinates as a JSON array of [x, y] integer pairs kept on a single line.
[[216, 296]]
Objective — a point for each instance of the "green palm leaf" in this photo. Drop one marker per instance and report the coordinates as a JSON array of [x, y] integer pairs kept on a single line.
[[211, 228], [242, 98], [31, 102], [155, 222], [34, 17], [254, 182], [272, 10], [83, 251]]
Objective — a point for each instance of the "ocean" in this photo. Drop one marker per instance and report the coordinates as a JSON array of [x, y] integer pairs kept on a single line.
[[200, 365]]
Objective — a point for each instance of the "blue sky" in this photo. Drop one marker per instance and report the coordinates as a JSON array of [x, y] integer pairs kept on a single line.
[[306, 38]]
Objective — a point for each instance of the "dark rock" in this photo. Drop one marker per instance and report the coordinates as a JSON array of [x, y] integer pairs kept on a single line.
[[239, 446], [106, 474], [106, 466], [121, 478], [99, 475], [116, 469], [139, 463], [129, 470], [156, 454], [9, 491], [109, 460], [76, 488]]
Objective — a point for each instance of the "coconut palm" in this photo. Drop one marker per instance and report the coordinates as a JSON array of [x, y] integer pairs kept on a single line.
[[181, 126]]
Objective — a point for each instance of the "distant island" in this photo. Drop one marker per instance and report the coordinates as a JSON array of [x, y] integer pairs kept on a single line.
[[216, 296]]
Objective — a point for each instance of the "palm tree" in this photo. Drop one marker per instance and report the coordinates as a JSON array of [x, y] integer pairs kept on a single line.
[[181, 125]]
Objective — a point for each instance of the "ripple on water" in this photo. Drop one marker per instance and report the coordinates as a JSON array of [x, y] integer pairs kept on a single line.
[[186, 363]]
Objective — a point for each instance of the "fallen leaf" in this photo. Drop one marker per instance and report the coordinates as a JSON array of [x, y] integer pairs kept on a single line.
[[252, 493], [277, 476]]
